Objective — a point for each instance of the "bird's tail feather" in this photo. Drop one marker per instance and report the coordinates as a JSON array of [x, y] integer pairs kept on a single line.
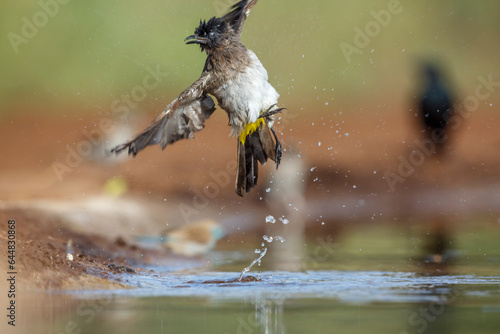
[[255, 148]]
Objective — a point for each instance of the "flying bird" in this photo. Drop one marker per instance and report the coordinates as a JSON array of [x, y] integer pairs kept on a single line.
[[236, 78]]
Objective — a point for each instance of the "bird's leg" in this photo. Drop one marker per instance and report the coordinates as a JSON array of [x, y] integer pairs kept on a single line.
[[279, 149], [252, 127], [270, 112]]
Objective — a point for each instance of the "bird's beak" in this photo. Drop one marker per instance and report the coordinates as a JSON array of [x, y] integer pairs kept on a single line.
[[193, 39]]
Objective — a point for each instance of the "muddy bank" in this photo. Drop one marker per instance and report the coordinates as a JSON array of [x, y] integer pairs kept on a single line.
[[42, 245]]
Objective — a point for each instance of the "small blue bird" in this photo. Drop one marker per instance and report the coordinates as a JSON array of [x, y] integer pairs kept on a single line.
[[191, 240]]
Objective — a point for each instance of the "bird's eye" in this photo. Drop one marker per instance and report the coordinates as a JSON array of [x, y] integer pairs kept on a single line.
[[211, 34]]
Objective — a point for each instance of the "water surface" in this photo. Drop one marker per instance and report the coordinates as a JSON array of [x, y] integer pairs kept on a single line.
[[288, 302]]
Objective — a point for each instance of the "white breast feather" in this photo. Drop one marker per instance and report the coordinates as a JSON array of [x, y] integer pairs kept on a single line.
[[248, 95]]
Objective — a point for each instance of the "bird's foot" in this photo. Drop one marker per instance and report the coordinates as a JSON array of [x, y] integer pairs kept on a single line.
[[278, 150], [270, 111]]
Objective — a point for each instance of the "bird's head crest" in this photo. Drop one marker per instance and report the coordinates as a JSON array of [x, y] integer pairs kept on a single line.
[[210, 35]]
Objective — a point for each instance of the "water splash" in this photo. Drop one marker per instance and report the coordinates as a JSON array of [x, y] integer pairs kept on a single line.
[[279, 238], [270, 239], [283, 220], [263, 251], [270, 219], [267, 238], [247, 269]]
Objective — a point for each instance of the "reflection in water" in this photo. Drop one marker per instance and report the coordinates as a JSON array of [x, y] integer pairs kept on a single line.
[[347, 301], [271, 314], [438, 253], [268, 317], [435, 316]]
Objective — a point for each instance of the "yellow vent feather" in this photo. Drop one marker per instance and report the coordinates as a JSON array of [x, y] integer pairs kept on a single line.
[[251, 128]]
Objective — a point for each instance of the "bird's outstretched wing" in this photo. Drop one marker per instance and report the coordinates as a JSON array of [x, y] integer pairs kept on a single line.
[[181, 119], [238, 14]]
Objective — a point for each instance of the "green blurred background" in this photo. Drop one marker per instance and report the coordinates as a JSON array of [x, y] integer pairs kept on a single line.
[[90, 52]]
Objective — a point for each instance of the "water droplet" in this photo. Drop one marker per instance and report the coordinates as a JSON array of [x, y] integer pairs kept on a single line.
[[284, 220], [270, 219], [267, 238]]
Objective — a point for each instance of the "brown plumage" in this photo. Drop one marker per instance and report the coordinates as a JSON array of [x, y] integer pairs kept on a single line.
[[172, 125], [236, 78]]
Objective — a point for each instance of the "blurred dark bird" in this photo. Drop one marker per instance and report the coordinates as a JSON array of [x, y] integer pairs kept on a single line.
[[236, 78], [435, 107]]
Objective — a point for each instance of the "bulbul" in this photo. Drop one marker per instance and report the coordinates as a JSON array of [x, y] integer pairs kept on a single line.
[[435, 106], [236, 78]]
